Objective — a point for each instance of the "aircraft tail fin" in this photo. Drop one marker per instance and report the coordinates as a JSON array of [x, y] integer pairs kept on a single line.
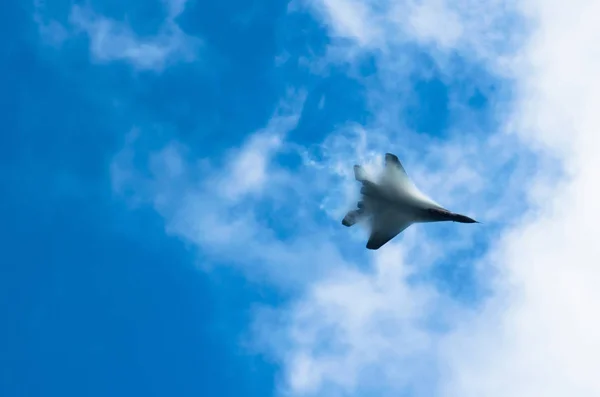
[[351, 218]]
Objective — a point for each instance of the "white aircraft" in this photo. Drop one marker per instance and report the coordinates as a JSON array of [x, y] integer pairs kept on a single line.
[[394, 203]]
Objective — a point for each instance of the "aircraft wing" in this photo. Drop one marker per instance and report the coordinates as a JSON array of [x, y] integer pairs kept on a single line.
[[394, 176], [394, 173], [385, 225]]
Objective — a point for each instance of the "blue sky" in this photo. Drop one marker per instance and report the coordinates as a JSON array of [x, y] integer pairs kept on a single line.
[[174, 174]]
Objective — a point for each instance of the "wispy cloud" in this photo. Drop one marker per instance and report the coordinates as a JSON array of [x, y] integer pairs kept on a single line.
[[359, 323], [537, 334], [360, 331], [113, 40], [474, 29], [226, 205], [350, 322]]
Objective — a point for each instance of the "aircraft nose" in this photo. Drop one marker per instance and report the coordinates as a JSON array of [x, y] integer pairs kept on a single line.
[[464, 219]]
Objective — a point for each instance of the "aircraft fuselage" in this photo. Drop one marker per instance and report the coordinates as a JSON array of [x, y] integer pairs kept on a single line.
[[410, 202], [394, 203]]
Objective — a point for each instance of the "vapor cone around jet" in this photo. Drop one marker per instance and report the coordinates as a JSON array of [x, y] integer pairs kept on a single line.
[[394, 203]]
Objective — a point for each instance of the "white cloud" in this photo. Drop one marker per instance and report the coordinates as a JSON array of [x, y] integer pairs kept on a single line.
[[350, 323], [225, 206], [470, 27], [538, 334], [352, 19], [378, 329], [175, 8], [112, 40], [51, 32], [433, 21], [324, 343], [248, 170], [358, 332]]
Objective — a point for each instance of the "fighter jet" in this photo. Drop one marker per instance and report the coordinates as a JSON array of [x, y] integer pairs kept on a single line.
[[394, 203]]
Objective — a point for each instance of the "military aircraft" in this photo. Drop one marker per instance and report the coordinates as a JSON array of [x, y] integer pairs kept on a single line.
[[394, 203]]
